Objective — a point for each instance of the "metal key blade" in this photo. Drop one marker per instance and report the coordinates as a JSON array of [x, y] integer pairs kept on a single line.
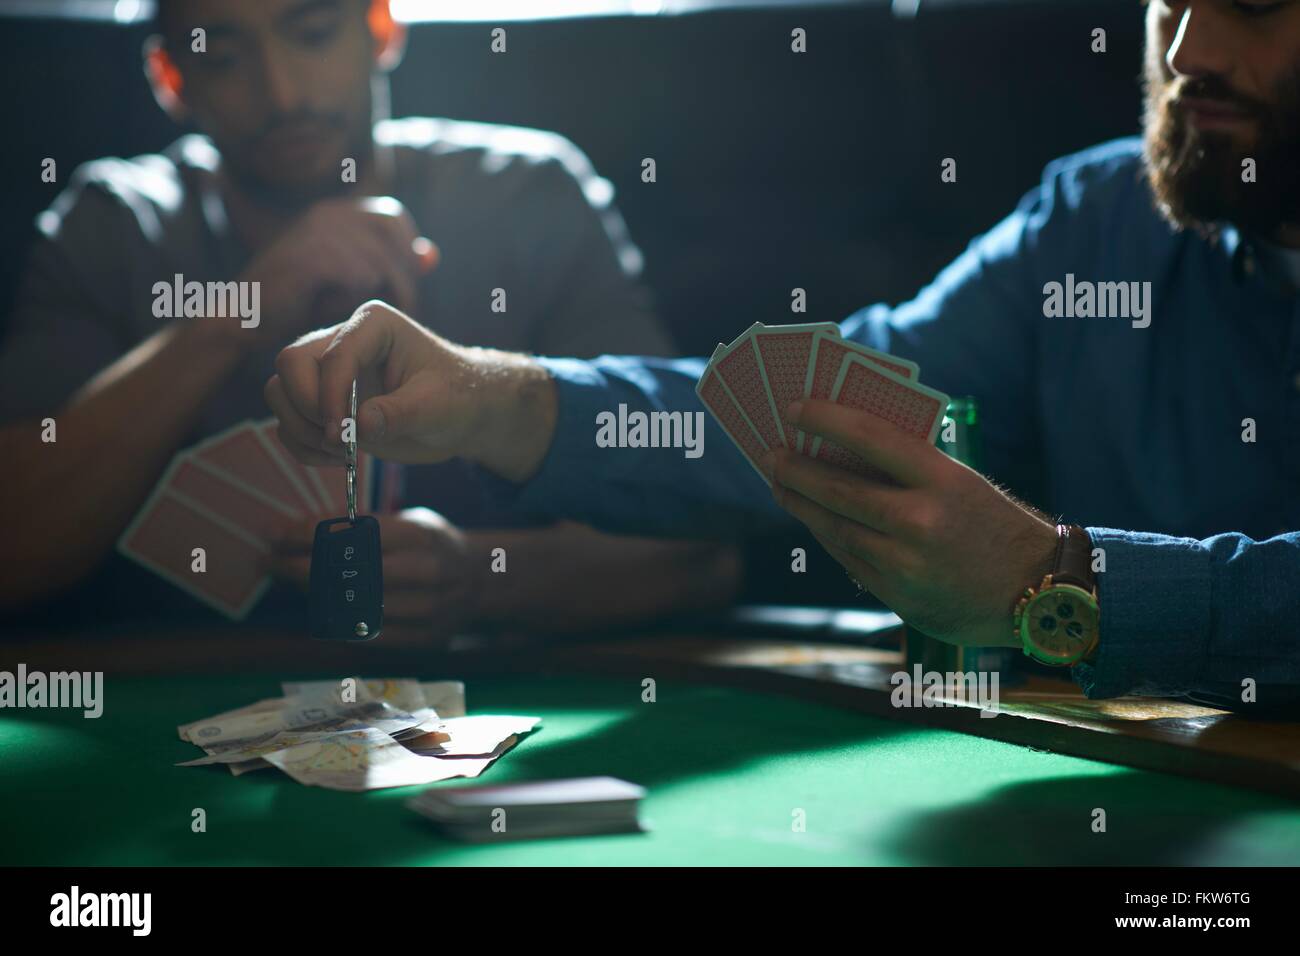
[[352, 456]]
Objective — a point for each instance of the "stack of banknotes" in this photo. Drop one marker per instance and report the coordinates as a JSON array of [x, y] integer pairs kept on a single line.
[[358, 734]]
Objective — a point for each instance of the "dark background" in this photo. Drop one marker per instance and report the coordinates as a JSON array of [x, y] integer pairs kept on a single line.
[[775, 170]]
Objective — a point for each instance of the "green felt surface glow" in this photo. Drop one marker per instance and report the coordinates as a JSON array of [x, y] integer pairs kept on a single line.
[[726, 771]]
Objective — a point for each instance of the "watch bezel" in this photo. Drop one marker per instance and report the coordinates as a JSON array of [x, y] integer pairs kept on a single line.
[[1024, 630]]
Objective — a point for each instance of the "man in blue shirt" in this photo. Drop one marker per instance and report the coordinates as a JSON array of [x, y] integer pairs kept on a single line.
[[1171, 429]]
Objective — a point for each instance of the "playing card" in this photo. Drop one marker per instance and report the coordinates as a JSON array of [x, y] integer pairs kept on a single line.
[[235, 505], [588, 791], [713, 393], [294, 471], [784, 353], [865, 385], [828, 354], [231, 495], [739, 369], [540, 808], [164, 535], [240, 457]]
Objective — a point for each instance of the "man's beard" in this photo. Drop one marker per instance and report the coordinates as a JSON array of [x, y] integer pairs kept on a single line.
[[291, 190], [1196, 175]]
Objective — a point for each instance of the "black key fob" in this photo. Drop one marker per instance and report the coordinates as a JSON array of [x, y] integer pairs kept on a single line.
[[347, 580]]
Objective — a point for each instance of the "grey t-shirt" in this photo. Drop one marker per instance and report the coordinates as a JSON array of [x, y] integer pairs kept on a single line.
[[510, 208]]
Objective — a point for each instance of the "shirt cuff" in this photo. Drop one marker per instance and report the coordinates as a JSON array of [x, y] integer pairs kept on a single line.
[[581, 392], [1156, 599]]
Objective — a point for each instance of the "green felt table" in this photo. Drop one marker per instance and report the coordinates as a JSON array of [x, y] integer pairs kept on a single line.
[[727, 772]]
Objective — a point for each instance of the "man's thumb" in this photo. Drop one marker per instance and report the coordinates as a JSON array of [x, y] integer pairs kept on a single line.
[[386, 417]]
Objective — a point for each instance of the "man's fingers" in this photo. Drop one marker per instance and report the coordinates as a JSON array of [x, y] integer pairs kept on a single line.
[[296, 433], [298, 369], [408, 253], [845, 533], [863, 573], [427, 253], [387, 417], [312, 454], [386, 276], [392, 224], [879, 506], [398, 533], [905, 458], [407, 568], [363, 341]]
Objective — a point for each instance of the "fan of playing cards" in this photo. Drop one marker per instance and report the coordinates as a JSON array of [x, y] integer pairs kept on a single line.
[[208, 525], [750, 383]]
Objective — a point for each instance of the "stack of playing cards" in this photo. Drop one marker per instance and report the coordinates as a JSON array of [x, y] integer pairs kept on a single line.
[[230, 496], [750, 383], [582, 806]]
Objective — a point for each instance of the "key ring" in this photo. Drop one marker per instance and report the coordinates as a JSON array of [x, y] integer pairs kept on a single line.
[[352, 457]]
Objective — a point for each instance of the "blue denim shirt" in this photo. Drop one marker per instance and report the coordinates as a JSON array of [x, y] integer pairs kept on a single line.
[[1134, 432]]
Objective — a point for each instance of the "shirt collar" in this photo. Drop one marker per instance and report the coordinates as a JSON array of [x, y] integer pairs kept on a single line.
[[1241, 252]]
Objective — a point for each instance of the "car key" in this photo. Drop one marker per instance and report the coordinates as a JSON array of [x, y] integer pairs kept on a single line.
[[346, 591]]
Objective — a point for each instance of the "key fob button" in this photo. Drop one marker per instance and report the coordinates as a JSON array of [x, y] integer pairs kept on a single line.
[[351, 595], [349, 550]]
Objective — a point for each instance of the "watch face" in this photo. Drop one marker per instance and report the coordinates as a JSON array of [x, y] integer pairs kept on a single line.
[[1060, 624]]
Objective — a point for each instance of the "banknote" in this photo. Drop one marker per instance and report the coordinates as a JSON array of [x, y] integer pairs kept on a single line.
[[446, 697], [261, 706], [367, 759], [471, 736], [358, 734], [244, 736], [401, 692]]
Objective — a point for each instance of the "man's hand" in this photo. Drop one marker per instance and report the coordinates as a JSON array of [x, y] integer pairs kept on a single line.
[[337, 254], [430, 584], [939, 544], [422, 398]]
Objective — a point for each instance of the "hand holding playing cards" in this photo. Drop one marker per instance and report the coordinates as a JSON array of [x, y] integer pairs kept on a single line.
[[429, 590], [423, 399], [934, 540]]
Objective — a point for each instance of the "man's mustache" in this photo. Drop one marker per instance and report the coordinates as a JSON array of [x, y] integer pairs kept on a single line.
[[1213, 88], [296, 121]]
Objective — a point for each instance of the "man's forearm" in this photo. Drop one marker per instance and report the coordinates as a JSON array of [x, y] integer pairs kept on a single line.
[[519, 425], [113, 438], [542, 422], [573, 578], [707, 490]]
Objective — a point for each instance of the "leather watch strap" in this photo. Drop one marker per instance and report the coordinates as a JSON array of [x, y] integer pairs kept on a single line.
[[1073, 563]]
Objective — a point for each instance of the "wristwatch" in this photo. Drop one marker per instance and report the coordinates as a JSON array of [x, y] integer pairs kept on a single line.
[[1057, 623]]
